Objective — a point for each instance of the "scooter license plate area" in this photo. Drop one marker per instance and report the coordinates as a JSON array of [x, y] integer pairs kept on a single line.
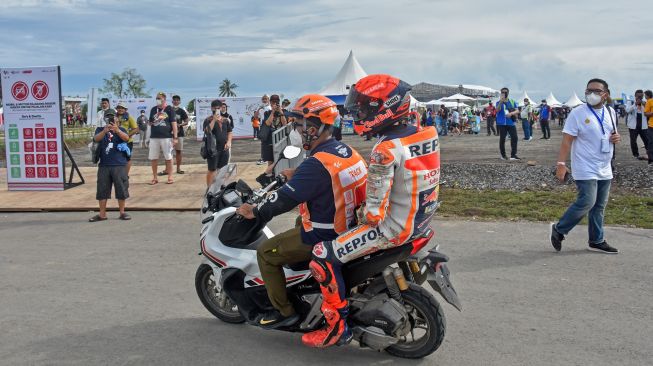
[[439, 280]]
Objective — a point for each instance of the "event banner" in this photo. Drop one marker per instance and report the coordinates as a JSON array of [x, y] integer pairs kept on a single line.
[[33, 128], [240, 109]]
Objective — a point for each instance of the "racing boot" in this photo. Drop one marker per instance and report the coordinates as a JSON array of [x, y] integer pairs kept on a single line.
[[335, 332]]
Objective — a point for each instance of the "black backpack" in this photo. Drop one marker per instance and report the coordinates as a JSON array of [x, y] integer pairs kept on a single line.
[[209, 147]]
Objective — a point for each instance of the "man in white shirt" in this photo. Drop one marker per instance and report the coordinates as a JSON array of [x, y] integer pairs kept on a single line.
[[526, 115], [590, 134], [636, 122], [104, 105]]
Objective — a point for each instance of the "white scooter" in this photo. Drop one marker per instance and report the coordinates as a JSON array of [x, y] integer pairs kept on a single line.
[[389, 309]]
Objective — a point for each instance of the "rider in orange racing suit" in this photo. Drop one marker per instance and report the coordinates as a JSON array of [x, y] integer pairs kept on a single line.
[[402, 194]]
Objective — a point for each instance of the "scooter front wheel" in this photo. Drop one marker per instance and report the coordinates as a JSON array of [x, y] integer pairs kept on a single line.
[[216, 302]]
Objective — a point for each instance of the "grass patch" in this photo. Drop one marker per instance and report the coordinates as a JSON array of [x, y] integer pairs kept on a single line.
[[622, 209]]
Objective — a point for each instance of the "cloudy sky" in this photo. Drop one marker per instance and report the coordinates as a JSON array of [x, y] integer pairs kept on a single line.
[[296, 47]]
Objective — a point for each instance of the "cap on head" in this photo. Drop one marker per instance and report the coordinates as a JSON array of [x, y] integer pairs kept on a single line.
[[274, 98], [110, 112], [121, 105], [161, 94]]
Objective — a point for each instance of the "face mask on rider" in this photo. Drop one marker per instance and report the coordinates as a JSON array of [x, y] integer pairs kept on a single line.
[[159, 102], [593, 99]]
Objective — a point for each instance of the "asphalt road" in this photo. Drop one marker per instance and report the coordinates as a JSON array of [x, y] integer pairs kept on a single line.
[[122, 293]]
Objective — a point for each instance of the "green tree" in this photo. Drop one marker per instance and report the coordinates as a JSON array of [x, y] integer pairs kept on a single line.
[[227, 88], [128, 84], [190, 107]]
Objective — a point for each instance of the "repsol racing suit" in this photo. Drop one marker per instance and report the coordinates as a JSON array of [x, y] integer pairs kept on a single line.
[[327, 186], [402, 196]]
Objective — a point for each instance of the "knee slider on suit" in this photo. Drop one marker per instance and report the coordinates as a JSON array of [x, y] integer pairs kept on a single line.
[[319, 266]]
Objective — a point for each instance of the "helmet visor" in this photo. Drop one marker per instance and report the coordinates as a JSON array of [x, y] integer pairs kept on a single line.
[[359, 105]]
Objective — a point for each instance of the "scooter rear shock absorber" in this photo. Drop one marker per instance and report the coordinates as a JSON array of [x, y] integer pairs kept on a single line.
[[391, 283]]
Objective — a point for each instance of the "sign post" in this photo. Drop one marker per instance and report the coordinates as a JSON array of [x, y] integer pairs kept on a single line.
[[33, 128]]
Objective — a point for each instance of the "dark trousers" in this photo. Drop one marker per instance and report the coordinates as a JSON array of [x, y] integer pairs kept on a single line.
[[272, 254], [546, 130], [503, 131], [642, 133], [490, 126], [649, 148]]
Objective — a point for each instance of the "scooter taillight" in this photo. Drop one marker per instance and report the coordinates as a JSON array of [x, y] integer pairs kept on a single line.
[[420, 243]]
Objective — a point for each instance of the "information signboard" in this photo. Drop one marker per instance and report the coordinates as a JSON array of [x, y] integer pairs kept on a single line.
[[33, 128]]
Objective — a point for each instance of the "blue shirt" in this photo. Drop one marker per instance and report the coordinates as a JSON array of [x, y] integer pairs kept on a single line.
[[545, 111], [502, 120], [311, 183], [109, 154]]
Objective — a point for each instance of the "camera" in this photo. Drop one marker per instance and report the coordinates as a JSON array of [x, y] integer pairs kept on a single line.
[[277, 114], [110, 119]]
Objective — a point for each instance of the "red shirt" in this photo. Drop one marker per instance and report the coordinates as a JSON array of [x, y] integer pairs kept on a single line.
[[490, 111]]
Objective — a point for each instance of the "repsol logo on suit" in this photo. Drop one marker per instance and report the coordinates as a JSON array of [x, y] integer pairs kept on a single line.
[[358, 241], [423, 148]]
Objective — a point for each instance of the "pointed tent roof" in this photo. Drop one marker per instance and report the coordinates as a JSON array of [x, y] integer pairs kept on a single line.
[[457, 97], [349, 74], [552, 101], [574, 101], [520, 101]]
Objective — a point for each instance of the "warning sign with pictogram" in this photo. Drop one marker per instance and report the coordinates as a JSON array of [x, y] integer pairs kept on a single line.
[[33, 128]]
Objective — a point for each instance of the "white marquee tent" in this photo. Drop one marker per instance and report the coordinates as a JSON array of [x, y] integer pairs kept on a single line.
[[574, 101], [520, 101], [349, 74], [552, 101]]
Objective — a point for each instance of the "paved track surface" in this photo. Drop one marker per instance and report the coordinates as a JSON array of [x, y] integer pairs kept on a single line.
[[122, 293]]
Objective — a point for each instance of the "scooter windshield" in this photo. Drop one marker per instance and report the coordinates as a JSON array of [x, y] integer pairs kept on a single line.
[[225, 175]]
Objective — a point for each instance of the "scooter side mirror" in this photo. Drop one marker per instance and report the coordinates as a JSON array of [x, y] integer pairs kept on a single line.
[[290, 152], [243, 187]]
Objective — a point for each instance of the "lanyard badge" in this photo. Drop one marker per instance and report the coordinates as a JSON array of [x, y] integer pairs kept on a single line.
[[600, 120]]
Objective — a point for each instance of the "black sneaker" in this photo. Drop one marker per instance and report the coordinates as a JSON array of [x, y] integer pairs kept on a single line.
[[515, 157], [556, 238], [603, 248], [273, 320]]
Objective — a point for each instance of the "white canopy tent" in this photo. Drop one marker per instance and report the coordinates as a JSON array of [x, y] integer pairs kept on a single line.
[[349, 74], [414, 103], [439, 102], [552, 101], [574, 101], [520, 101], [457, 98]]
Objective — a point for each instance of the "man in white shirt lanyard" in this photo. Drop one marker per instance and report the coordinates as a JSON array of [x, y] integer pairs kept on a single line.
[[636, 122], [590, 134]]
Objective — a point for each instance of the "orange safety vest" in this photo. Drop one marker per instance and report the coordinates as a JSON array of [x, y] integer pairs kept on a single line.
[[348, 179]]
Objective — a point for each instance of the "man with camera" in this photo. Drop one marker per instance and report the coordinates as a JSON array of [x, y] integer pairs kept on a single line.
[[273, 119], [112, 150], [506, 115], [127, 122], [217, 126]]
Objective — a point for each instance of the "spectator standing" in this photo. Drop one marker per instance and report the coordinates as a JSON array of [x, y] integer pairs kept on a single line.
[[163, 136], [444, 113], [225, 115], [221, 129], [505, 118], [104, 106], [182, 119], [143, 124], [545, 115], [112, 145], [273, 119], [590, 134], [260, 112], [526, 116], [256, 125], [635, 121], [455, 121], [429, 118], [128, 123], [490, 117], [648, 112]]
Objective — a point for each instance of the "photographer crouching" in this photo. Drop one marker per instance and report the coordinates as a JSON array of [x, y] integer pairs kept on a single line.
[[112, 168]]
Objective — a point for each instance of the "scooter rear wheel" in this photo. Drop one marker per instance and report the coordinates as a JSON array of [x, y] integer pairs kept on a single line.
[[216, 302]]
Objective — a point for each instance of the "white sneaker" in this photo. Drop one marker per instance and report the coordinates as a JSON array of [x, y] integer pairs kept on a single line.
[[255, 139]]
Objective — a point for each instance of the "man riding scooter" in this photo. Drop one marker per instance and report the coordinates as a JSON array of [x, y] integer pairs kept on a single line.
[[328, 186], [402, 194]]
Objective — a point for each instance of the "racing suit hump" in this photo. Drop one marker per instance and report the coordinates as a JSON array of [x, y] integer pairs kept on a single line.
[[403, 182]]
